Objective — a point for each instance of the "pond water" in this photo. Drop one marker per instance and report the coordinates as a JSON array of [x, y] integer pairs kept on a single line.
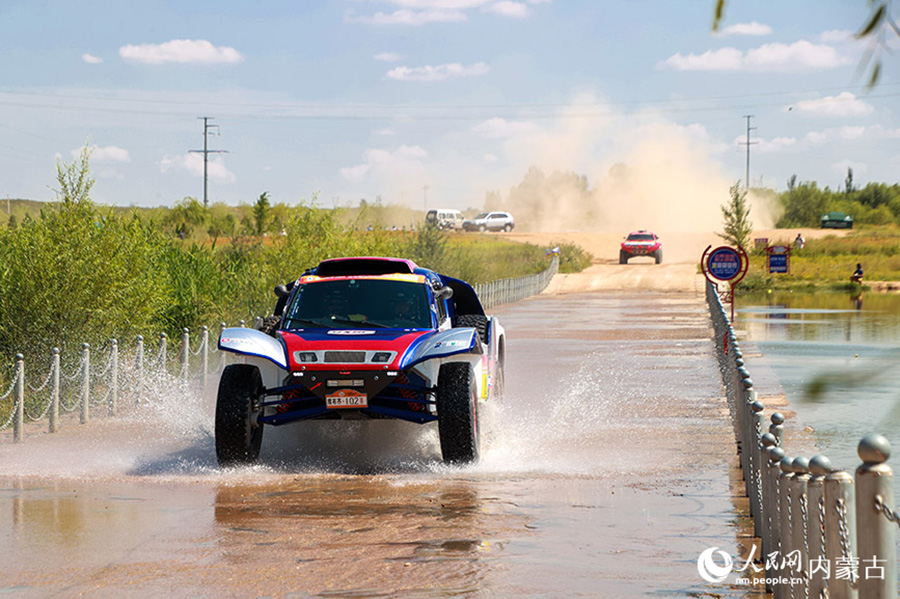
[[836, 357]]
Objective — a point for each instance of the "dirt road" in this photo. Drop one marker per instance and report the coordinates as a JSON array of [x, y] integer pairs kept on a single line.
[[679, 271]]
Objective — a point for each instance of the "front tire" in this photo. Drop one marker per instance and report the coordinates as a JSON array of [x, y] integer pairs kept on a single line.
[[458, 413], [658, 256], [623, 257], [238, 435], [481, 228]]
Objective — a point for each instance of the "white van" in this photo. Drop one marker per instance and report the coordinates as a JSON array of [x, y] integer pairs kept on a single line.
[[444, 218]]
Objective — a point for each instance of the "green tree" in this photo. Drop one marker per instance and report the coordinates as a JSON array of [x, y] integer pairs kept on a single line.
[[74, 275], [262, 211], [803, 206], [429, 247], [737, 225]]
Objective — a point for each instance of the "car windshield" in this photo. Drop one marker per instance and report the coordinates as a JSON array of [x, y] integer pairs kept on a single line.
[[640, 237], [482, 215], [359, 303]]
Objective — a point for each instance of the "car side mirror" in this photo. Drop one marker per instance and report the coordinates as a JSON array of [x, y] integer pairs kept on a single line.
[[443, 293], [281, 291]]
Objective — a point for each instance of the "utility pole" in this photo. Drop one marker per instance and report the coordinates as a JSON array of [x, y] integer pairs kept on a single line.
[[425, 199], [206, 152], [748, 143]]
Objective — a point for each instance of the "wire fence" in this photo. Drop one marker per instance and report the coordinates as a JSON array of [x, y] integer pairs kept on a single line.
[[93, 384], [506, 291], [824, 532]]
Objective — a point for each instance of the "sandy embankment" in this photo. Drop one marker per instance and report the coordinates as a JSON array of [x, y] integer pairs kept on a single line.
[[677, 273]]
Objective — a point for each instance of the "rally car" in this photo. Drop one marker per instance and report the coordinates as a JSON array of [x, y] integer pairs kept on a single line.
[[363, 338], [641, 243]]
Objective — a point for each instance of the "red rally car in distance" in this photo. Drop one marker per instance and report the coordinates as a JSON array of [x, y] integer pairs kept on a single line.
[[641, 243]]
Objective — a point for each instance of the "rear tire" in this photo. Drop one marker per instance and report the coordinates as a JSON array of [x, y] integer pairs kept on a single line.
[[458, 413], [238, 435], [477, 322], [507, 228]]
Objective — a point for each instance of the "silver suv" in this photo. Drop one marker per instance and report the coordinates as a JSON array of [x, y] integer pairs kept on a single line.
[[491, 221]]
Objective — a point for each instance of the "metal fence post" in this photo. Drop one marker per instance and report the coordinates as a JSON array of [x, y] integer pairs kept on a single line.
[[204, 357], [54, 391], [797, 487], [781, 589], [819, 565], [19, 399], [85, 383], [776, 454], [138, 384], [754, 448], [875, 516], [113, 377], [766, 442], [840, 534], [185, 353]]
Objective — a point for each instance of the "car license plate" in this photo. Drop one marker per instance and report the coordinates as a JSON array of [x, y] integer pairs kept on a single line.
[[346, 398]]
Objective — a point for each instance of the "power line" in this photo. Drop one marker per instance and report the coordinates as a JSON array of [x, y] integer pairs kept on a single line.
[[206, 152]]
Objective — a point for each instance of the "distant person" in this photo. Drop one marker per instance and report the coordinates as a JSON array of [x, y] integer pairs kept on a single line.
[[857, 275], [799, 242]]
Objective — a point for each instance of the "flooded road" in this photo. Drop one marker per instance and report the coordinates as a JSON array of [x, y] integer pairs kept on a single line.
[[608, 472]]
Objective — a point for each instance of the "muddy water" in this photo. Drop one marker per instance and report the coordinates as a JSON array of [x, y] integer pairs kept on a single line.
[[606, 475]]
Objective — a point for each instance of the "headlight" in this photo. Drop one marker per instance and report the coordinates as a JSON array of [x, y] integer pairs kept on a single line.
[[306, 356]]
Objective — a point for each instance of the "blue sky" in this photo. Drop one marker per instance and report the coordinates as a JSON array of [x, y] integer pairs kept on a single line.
[[351, 99]]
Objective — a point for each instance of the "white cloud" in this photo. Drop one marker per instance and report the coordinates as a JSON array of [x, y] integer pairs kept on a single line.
[[385, 132], [775, 145], [91, 59], [193, 164], [105, 155], [752, 28], [498, 128], [844, 104], [387, 57], [826, 136], [437, 73], [840, 167], [798, 56], [180, 51], [508, 8], [412, 17], [836, 36], [384, 164], [422, 12]]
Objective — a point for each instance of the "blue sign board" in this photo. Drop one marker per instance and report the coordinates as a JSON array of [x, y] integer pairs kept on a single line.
[[778, 263], [724, 263]]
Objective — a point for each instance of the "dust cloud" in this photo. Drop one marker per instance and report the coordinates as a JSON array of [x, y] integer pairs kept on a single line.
[[618, 173]]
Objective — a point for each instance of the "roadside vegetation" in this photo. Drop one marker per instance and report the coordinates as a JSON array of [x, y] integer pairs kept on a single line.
[[828, 262], [75, 272]]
